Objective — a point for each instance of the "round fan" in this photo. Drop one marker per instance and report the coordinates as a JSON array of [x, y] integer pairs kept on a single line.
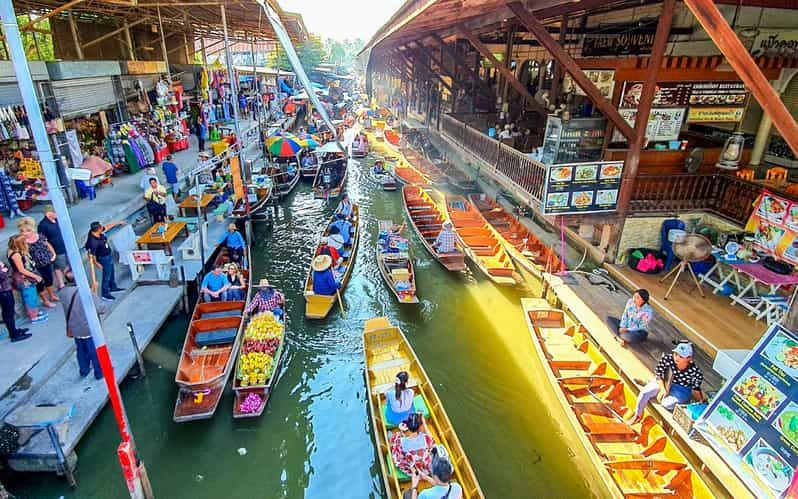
[[692, 248]]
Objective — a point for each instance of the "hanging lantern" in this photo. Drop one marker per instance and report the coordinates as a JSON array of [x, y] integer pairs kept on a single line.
[[732, 152]]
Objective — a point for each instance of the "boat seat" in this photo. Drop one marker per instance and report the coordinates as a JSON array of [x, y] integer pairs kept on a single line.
[[418, 404], [400, 475], [214, 338], [222, 313], [598, 425]]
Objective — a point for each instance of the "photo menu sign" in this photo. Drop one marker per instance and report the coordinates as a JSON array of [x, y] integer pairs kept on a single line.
[[753, 421], [774, 223], [573, 188]]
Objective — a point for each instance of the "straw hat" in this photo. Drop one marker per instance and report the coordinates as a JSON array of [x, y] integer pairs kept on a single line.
[[448, 225], [204, 154], [263, 283], [322, 263]]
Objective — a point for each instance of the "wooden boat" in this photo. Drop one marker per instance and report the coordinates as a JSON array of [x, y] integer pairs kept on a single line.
[[396, 268], [392, 137], [406, 174], [285, 177], [319, 191], [309, 172], [385, 179], [480, 242], [318, 306], [243, 388], [427, 218], [258, 201], [423, 165], [635, 461], [360, 148], [524, 247], [458, 178], [388, 352]]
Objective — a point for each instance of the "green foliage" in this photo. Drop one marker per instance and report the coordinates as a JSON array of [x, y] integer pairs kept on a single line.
[[311, 53], [343, 53], [30, 39]]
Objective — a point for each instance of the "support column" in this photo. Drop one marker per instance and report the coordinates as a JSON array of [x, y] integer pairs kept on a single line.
[[234, 100], [163, 46], [75, 38], [508, 55], [131, 50], [556, 85], [766, 125]]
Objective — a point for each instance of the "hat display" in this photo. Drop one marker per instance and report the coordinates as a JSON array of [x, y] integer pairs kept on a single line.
[[263, 283], [322, 263], [684, 350]]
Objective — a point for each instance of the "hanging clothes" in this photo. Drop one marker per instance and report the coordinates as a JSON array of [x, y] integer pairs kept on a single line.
[[8, 197]]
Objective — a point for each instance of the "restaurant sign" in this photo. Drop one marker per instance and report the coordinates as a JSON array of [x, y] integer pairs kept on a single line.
[[715, 114], [663, 123], [753, 420], [578, 188], [681, 94], [617, 44]]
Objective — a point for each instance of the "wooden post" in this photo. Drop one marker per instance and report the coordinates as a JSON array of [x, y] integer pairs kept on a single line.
[[746, 68], [75, 38], [556, 85], [556, 50], [163, 45], [508, 55], [131, 50]]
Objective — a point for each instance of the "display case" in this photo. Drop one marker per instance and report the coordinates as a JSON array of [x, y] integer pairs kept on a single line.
[[574, 141]]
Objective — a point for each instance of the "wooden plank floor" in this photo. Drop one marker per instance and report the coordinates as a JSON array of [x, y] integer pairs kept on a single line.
[[711, 322]]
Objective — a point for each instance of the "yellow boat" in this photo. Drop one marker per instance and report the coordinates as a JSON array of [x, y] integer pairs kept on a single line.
[[318, 306], [388, 352], [635, 461]]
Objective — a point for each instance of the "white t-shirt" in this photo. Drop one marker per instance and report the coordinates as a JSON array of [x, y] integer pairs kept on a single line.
[[439, 491], [405, 401]]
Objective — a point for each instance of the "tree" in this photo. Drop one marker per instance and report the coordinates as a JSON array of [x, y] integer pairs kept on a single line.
[[311, 53]]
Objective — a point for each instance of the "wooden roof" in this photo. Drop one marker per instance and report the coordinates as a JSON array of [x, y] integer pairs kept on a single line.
[[245, 18]]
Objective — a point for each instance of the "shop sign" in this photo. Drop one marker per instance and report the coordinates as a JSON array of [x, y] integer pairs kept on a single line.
[[663, 123], [776, 43], [617, 44], [715, 114], [603, 79], [578, 188], [753, 421], [681, 94]]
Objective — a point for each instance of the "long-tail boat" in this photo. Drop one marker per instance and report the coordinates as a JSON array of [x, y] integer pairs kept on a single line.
[[525, 248], [388, 352], [396, 265], [422, 164], [480, 242], [259, 197], [427, 218], [408, 175], [458, 178], [635, 461]]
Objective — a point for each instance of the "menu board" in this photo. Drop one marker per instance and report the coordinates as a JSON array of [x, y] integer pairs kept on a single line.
[[774, 223], [681, 94], [753, 421], [663, 124], [582, 187]]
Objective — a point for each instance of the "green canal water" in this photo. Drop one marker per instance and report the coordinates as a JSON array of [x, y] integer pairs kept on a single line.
[[315, 440]]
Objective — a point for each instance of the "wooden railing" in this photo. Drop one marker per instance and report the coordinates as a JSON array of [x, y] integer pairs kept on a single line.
[[512, 165], [722, 194]]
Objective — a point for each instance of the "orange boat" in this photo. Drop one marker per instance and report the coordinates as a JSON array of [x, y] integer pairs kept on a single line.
[[423, 165], [427, 218], [481, 243], [524, 247], [408, 175]]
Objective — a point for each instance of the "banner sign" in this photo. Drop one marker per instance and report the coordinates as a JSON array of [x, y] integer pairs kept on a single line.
[[753, 421], [715, 114], [681, 94], [617, 44], [582, 187], [663, 123], [774, 224], [775, 43], [603, 79]]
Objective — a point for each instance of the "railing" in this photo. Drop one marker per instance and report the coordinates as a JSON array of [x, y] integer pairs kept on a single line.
[[724, 195], [514, 166]]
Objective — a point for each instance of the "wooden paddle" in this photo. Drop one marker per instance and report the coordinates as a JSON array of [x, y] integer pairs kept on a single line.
[[340, 303]]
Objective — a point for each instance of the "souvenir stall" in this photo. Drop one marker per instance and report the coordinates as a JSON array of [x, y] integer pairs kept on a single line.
[[21, 178], [127, 146]]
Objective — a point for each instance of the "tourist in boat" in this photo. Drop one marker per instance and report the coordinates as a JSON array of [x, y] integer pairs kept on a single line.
[[632, 327], [326, 249], [442, 486], [324, 282], [155, 195], [267, 299], [411, 446], [446, 242], [214, 285], [399, 400], [345, 208], [678, 381], [343, 227], [379, 167], [236, 283], [234, 242]]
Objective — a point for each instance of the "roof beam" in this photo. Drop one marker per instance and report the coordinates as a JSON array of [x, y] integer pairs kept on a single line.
[[559, 53], [50, 14], [114, 32], [428, 70], [473, 75]]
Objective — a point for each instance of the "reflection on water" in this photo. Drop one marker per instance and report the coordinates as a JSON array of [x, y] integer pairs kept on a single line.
[[314, 440]]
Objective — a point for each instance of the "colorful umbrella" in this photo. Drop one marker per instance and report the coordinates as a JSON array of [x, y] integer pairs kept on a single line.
[[284, 147], [308, 142]]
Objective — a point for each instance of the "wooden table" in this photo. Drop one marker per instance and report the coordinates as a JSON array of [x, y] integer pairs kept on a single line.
[[190, 203], [153, 236]]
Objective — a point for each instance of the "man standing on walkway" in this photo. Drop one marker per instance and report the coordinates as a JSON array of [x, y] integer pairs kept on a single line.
[[171, 171], [48, 227], [100, 254], [78, 328]]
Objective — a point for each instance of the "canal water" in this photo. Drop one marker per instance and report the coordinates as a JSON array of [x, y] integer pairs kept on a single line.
[[314, 440]]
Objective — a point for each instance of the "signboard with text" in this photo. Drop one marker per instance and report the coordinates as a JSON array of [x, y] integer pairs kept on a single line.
[[599, 44], [753, 421], [577, 188], [663, 123]]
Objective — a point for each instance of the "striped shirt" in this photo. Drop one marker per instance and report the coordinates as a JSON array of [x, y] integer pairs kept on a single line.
[[446, 241]]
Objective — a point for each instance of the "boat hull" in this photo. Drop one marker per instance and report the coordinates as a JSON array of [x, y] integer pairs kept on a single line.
[[427, 217], [408, 298]]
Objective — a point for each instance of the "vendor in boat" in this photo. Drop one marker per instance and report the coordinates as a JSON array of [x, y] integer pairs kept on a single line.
[[326, 249], [345, 208], [632, 327], [308, 161], [411, 446], [236, 283], [234, 242], [214, 285], [678, 381], [399, 400], [267, 299], [324, 282], [343, 227], [441, 484], [446, 242]]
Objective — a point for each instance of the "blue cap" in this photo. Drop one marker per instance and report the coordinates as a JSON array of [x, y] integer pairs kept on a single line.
[[684, 350]]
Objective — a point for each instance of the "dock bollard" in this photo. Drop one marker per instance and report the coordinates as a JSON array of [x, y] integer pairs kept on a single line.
[[139, 358]]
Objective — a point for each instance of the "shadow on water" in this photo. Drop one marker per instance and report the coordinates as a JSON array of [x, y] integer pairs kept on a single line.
[[315, 438]]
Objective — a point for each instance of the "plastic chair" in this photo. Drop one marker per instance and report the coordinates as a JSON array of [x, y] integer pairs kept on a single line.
[[667, 246], [85, 190], [777, 175]]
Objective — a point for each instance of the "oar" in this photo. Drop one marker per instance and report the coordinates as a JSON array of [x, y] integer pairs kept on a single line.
[[340, 303]]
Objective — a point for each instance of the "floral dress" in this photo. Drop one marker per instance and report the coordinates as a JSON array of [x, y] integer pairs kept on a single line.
[[409, 453]]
